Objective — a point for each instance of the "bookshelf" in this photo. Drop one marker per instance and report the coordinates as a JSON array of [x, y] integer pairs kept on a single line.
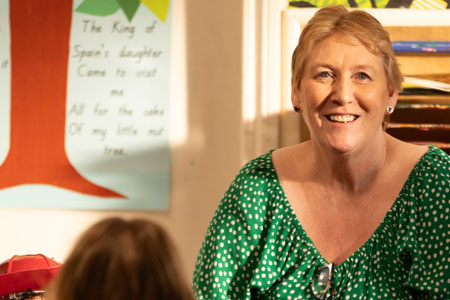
[[423, 119]]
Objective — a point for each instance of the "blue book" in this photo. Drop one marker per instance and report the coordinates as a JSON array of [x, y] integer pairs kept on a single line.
[[422, 46]]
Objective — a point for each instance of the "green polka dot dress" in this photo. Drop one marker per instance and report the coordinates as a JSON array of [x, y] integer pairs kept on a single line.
[[256, 248]]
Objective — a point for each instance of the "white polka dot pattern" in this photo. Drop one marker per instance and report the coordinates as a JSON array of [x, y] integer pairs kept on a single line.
[[255, 247]]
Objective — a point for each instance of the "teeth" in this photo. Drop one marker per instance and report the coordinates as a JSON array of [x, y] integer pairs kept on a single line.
[[341, 118]]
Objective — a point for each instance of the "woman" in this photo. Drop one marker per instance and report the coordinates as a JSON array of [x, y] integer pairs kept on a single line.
[[351, 214], [120, 259]]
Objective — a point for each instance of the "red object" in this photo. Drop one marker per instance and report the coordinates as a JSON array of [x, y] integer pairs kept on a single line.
[[40, 33], [27, 272]]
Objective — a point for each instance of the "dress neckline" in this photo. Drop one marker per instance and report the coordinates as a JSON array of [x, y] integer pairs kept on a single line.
[[355, 255]]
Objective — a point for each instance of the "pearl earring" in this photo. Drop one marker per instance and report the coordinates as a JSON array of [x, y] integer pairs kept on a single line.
[[390, 109]]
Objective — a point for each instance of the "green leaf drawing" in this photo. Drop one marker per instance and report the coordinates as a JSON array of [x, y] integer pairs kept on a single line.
[[129, 7], [108, 7], [158, 7], [98, 7]]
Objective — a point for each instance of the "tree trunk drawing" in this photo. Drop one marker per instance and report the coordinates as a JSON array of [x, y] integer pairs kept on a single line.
[[40, 34]]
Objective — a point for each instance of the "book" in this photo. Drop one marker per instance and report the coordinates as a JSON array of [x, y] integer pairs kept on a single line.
[[420, 126], [421, 46], [425, 84]]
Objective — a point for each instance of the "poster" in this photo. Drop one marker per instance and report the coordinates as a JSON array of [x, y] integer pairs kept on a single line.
[[84, 104], [412, 4]]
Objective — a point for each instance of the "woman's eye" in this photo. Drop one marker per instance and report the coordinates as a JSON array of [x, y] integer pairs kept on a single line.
[[324, 75], [362, 76]]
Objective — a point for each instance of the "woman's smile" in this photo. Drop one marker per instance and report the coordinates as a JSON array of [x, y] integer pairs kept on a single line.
[[344, 119]]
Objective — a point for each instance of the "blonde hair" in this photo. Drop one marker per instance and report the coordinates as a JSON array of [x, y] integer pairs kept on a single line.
[[351, 24], [118, 259]]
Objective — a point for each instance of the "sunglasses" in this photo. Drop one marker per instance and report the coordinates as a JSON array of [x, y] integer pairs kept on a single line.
[[24, 295], [321, 282]]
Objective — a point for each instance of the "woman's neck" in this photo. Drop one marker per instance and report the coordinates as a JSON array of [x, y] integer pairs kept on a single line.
[[351, 172]]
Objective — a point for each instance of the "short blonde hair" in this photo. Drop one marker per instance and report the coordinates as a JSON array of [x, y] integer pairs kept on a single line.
[[352, 24]]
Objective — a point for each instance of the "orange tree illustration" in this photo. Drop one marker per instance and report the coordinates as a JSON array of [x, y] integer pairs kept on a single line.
[[40, 33]]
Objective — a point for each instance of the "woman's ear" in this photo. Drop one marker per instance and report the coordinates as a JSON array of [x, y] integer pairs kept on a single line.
[[294, 96], [393, 96]]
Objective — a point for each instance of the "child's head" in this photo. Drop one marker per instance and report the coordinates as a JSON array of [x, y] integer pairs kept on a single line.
[[122, 259]]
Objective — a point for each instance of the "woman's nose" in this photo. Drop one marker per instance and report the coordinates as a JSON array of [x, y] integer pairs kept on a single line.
[[343, 91]]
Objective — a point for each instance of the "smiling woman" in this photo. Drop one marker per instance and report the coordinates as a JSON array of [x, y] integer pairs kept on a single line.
[[344, 94], [352, 213]]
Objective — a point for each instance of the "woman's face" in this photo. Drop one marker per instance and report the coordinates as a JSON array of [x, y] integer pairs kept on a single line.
[[344, 94]]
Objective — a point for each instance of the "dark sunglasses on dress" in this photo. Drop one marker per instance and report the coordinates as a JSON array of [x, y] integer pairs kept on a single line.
[[24, 295], [321, 282]]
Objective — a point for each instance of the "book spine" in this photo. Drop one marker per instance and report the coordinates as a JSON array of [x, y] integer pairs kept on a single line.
[[422, 46]]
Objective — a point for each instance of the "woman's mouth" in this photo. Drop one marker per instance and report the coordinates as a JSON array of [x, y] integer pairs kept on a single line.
[[342, 118]]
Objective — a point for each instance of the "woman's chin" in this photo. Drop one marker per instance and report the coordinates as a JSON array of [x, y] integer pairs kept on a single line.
[[341, 146], [341, 149]]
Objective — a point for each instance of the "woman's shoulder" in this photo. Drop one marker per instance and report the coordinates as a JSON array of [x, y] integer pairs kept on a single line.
[[438, 157], [429, 181], [255, 174], [427, 162], [293, 161], [259, 165], [434, 161], [419, 156]]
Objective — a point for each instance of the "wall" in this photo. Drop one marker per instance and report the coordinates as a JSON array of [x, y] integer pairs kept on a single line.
[[206, 146]]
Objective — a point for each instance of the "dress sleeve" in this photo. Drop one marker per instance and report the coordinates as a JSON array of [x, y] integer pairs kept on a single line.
[[228, 256], [430, 269]]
